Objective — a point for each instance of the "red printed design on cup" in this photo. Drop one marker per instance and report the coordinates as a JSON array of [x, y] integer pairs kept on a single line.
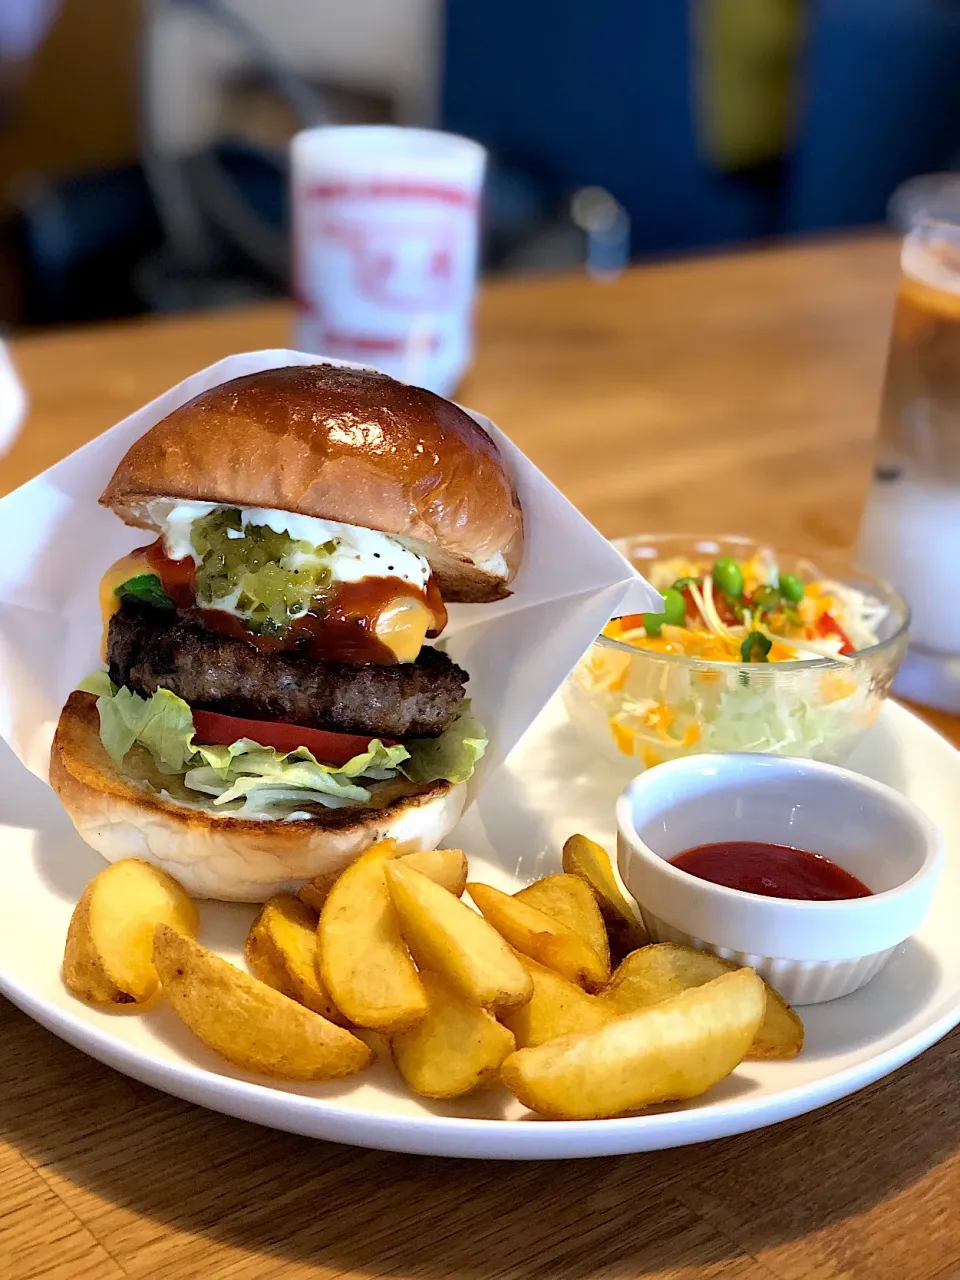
[[406, 266], [391, 191]]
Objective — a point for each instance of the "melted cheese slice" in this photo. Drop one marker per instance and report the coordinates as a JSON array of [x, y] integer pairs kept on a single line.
[[403, 625]]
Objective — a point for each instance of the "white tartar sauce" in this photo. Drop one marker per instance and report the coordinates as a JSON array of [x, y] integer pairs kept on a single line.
[[359, 553]]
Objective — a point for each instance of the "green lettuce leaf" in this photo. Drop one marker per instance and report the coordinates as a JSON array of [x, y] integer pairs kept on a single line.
[[267, 781], [97, 682], [282, 784], [243, 771], [247, 771], [163, 724], [452, 756]]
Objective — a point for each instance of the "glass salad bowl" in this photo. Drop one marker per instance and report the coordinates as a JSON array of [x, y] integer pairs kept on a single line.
[[643, 706]]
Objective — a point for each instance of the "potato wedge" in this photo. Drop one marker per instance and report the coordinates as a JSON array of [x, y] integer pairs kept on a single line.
[[314, 893], [558, 1008], [571, 901], [281, 950], [364, 961], [248, 1023], [585, 858], [448, 938], [457, 1048], [108, 958], [446, 866], [665, 969], [673, 1050], [540, 936]]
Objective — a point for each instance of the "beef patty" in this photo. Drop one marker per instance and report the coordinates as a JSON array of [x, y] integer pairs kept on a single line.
[[148, 649]]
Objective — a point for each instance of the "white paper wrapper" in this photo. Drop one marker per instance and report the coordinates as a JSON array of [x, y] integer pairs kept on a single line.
[[56, 543]]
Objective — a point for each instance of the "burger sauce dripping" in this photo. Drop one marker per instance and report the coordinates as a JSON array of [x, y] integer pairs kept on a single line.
[[345, 632]]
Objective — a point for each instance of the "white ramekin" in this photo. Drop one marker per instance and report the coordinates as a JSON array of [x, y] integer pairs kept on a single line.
[[808, 951]]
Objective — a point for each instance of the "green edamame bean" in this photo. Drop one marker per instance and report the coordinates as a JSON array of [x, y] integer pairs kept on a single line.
[[791, 588], [728, 576], [674, 607], [674, 613]]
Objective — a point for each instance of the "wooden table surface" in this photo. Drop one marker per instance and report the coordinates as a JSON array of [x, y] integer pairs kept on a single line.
[[731, 393]]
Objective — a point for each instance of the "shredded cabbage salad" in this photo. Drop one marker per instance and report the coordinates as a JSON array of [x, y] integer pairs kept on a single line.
[[749, 615], [246, 779], [749, 611]]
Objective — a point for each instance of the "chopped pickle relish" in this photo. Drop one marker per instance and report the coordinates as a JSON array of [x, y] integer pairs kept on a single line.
[[266, 577]]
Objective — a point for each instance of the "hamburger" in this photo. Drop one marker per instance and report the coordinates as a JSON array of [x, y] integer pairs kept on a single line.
[[271, 705]]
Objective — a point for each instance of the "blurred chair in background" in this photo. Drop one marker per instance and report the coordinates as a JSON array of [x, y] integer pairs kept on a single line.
[[597, 95], [881, 103], [658, 103]]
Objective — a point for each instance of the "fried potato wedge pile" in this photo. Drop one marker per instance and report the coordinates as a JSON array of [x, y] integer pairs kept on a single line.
[[516, 989]]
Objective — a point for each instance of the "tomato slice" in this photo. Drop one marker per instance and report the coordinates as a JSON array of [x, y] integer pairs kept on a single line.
[[828, 626], [725, 610], [631, 621], [213, 729]]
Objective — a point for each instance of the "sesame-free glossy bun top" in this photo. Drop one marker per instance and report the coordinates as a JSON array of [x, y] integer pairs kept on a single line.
[[346, 445]]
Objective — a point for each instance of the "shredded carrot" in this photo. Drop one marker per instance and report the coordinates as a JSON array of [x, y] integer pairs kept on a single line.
[[659, 718], [606, 670], [623, 737]]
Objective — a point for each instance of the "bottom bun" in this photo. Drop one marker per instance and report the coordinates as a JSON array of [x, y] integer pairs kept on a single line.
[[123, 815]]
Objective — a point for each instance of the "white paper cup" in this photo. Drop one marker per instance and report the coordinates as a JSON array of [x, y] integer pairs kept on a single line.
[[385, 226]]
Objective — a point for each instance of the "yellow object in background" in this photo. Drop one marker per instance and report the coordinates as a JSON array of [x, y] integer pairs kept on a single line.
[[746, 55]]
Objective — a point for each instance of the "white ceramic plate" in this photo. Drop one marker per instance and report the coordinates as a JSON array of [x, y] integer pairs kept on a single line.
[[547, 790]]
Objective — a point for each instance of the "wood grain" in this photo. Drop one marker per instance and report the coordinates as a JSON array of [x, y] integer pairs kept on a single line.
[[736, 393]]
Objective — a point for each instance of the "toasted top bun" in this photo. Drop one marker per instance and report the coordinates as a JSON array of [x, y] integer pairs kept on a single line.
[[124, 815], [346, 445]]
